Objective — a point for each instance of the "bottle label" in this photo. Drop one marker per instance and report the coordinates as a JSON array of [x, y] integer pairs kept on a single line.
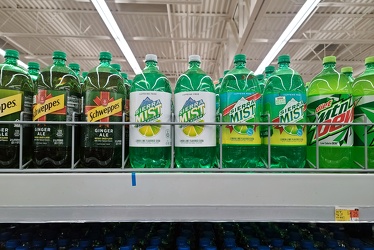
[[102, 106], [286, 108], [336, 108], [364, 107], [150, 106], [195, 106], [243, 107]]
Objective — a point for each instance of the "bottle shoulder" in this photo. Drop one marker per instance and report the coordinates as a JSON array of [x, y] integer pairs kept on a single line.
[[151, 81], [194, 80]]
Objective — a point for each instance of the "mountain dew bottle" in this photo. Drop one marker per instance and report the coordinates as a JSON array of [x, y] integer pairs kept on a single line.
[[261, 82], [76, 68], [363, 94], [195, 145], [285, 102], [16, 91], [58, 98], [33, 70], [330, 99], [348, 72], [150, 101], [104, 97], [241, 102]]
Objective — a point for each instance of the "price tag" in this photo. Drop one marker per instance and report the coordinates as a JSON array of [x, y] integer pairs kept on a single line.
[[347, 214]]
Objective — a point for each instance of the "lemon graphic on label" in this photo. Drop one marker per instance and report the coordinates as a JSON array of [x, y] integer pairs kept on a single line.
[[241, 129], [150, 130], [193, 130], [293, 129]]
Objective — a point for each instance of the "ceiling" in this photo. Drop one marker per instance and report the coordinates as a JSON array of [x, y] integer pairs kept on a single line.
[[174, 29]]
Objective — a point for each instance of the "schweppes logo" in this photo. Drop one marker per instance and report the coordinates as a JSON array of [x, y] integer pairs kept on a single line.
[[106, 107], [10, 104], [46, 104]]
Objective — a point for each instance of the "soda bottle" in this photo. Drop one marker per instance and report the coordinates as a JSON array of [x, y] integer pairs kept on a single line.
[[261, 82], [240, 102], [104, 94], [84, 75], [33, 70], [195, 145], [285, 102], [15, 97], [330, 98], [76, 69], [269, 71], [363, 94], [58, 98], [348, 72], [127, 111], [150, 101]]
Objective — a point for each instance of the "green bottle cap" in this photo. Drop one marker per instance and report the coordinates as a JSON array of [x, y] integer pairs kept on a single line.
[[124, 75], [84, 74], [269, 69], [151, 57], [225, 72], [194, 58], [74, 66], [116, 66], [33, 65], [284, 59], [346, 70], [11, 53], [329, 59], [105, 55], [240, 58], [369, 59], [59, 55], [260, 77]]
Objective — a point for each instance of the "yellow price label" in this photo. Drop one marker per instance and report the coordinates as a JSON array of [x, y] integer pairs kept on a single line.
[[347, 214]]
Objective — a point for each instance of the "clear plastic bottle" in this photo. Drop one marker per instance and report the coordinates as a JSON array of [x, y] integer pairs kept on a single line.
[[104, 97], [285, 102], [150, 101], [58, 98], [195, 145], [330, 98], [15, 97], [240, 102], [363, 95]]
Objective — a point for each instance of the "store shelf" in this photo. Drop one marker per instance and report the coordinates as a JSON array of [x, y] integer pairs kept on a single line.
[[106, 197]]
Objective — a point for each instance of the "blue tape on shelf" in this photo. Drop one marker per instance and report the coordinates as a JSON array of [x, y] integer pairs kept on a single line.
[[133, 179]]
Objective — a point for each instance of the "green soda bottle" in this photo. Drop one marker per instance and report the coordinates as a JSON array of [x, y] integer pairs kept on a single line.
[[150, 101], [127, 111], [76, 69], [84, 75], [348, 72], [104, 97], [195, 145], [217, 88], [58, 98], [330, 98], [240, 102], [285, 102], [363, 95], [269, 71], [15, 97], [261, 82], [33, 70]]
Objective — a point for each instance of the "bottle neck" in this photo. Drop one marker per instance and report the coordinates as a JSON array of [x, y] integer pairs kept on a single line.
[[370, 66], [11, 61], [105, 62], [329, 65], [239, 64], [194, 64], [150, 64], [349, 74], [34, 72], [59, 61], [284, 65]]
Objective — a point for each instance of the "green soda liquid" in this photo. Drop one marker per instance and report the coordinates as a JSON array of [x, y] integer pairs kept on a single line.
[[15, 96], [363, 95], [330, 97], [240, 101], [104, 100], [285, 102], [150, 101], [58, 96], [195, 145]]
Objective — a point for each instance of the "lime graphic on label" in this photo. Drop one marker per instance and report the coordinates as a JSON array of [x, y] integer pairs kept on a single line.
[[241, 129], [192, 111], [149, 111], [293, 129], [150, 130], [193, 130]]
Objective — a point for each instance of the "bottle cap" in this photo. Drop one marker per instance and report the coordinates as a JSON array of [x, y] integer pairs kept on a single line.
[[105, 55], [152, 248], [288, 248], [100, 248], [260, 77], [210, 248], [329, 59], [284, 59], [124, 75], [184, 248], [116, 66], [151, 57], [74, 66], [194, 58], [240, 58], [269, 69], [33, 65], [346, 70], [59, 55], [369, 59], [11, 53]]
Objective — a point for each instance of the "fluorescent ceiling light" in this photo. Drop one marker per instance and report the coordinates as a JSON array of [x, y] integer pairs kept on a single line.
[[111, 24], [294, 25], [20, 63]]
